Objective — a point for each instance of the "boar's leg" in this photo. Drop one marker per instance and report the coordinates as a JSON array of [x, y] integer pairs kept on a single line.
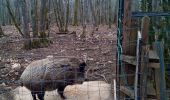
[[60, 91], [41, 95], [33, 95]]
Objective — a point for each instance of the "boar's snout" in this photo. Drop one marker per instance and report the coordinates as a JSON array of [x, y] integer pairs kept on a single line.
[[81, 73], [82, 67]]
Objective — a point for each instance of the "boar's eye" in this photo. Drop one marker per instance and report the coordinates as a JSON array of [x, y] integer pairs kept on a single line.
[[64, 66]]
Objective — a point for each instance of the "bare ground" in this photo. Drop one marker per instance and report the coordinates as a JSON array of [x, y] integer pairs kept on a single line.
[[98, 47]]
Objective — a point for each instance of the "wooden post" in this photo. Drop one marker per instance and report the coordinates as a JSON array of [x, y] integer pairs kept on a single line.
[[138, 61], [145, 28], [144, 57], [157, 78], [129, 47], [129, 38], [126, 29], [144, 71]]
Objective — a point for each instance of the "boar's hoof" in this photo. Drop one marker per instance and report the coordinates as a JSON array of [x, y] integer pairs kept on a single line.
[[60, 91], [39, 94]]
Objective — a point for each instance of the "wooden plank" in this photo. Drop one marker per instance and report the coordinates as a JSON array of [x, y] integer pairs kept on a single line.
[[154, 65], [129, 59], [153, 55], [126, 90], [132, 60]]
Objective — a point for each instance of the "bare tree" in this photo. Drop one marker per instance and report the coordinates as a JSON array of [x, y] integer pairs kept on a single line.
[[13, 17], [75, 23], [25, 19], [1, 32], [43, 14], [67, 14], [62, 12], [34, 14]]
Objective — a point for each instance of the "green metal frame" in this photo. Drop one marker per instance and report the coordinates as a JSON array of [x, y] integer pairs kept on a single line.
[[119, 44]]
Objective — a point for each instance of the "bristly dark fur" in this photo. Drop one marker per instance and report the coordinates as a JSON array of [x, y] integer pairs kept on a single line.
[[71, 71]]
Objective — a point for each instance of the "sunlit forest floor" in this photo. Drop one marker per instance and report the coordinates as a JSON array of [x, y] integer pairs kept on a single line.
[[99, 47]]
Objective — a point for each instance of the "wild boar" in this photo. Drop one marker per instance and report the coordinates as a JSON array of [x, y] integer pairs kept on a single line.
[[50, 74]]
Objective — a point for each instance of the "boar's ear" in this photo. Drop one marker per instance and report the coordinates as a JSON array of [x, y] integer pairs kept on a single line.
[[82, 66]]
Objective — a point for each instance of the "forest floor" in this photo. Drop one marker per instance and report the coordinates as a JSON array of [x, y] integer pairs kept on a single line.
[[99, 47]]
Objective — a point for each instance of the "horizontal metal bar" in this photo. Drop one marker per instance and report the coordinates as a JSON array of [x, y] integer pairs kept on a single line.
[[150, 14]]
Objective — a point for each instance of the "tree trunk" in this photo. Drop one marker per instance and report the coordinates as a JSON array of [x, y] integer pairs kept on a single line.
[[34, 10], [115, 10], [13, 17], [1, 32], [94, 14], [76, 13], [67, 15], [110, 13], [42, 32], [42, 18], [17, 12], [54, 2], [24, 9]]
